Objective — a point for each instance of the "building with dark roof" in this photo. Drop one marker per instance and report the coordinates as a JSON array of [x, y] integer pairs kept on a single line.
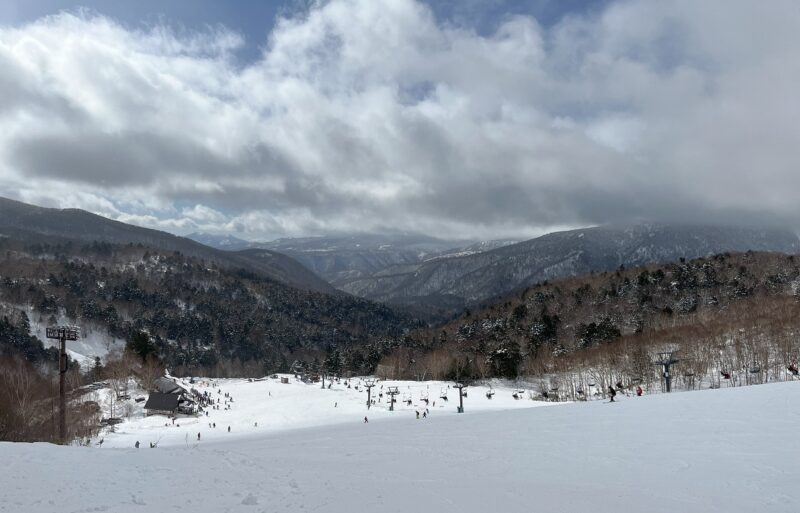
[[162, 404]]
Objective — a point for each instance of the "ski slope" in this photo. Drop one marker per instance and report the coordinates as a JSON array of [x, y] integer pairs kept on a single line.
[[726, 450], [268, 406]]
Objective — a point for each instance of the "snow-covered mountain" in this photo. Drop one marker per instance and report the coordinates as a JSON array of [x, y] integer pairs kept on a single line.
[[473, 278], [226, 242], [342, 258]]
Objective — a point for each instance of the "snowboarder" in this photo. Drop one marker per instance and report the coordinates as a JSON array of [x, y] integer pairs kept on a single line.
[[137, 444], [612, 393], [365, 419]]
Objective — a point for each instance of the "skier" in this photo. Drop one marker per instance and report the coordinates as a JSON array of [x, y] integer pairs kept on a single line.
[[639, 391], [417, 414], [198, 437], [137, 444], [425, 414], [229, 429], [612, 393], [365, 419], [336, 405]]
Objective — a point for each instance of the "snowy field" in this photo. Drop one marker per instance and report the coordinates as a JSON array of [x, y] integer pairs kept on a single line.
[[726, 450], [262, 407]]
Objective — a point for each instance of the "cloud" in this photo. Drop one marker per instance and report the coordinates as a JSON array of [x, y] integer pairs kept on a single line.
[[363, 115]]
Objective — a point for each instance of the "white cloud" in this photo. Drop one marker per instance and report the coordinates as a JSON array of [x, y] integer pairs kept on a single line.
[[365, 114]]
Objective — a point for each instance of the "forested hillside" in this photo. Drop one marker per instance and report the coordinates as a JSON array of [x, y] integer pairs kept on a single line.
[[34, 224], [734, 314], [198, 315]]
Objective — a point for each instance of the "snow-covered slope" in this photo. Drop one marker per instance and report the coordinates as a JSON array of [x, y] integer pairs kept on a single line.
[[274, 406], [726, 451]]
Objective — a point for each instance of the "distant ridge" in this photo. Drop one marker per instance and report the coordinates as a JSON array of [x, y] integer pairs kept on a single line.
[[28, 222], [450, 283]]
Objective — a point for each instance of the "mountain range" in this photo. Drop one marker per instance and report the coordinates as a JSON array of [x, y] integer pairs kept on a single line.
[[451, 283], [434, 278], [340, 259]]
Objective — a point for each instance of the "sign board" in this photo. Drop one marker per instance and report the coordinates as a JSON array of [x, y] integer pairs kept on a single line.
[[65, 332]]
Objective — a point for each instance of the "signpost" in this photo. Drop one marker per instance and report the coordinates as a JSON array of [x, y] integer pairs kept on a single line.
[[62, 333]]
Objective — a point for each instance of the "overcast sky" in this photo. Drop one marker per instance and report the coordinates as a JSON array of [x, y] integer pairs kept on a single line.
[[473, 119]]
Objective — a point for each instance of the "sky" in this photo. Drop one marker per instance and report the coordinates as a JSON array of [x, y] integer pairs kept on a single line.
[[469, 119]]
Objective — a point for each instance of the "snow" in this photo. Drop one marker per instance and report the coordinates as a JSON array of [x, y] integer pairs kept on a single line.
[[281, 407], [93, 342], [708, 451]]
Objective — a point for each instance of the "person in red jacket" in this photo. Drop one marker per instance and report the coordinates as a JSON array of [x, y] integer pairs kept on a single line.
[[639, 391]]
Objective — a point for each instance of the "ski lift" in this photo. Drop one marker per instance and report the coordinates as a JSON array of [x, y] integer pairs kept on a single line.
[[755, 370], [490, 393], [725, 374], [688, 374], [793, 369], [424, 397], [515, 395], [443, 394]]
